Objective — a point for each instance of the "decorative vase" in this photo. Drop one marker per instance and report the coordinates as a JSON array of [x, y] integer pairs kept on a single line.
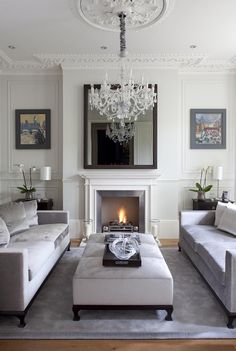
[[201, 195], [29, 195]]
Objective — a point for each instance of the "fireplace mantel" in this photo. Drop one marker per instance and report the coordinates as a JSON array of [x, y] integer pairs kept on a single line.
[[116, 181]]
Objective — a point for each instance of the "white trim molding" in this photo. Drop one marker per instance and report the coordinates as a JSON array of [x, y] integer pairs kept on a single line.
[[182, 62]]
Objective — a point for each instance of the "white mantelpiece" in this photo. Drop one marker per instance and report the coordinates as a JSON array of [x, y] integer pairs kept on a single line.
[[95, 182]]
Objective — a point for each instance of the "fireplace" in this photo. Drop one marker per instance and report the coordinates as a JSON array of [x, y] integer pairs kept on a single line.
[[120, 210]]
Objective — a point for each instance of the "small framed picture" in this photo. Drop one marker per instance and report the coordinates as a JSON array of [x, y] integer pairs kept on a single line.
[[207, 128], [33, 128]]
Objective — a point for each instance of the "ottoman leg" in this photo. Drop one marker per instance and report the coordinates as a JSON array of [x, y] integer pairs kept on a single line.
[[169, 311], [76, 310], [230, 322]]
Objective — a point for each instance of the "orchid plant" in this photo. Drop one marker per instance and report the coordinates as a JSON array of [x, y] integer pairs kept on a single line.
[[202, 187], [25, 189]]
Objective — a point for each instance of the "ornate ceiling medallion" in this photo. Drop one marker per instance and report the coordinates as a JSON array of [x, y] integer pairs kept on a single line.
[[139, 13]]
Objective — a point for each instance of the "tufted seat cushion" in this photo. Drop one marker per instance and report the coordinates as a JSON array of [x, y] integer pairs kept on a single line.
[[150, 284], [46, 232], [97, 250], [200, 234]]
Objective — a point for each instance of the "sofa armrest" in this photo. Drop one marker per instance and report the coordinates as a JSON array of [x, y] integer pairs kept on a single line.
[[14, 279], [196, 217], [230, 280], [50, 217]]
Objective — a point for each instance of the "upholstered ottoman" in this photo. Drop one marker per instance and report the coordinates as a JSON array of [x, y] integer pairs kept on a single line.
[[97, 287]]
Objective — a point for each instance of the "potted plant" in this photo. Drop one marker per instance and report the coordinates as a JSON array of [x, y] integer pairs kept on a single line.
[[25, 189], [201, 187]]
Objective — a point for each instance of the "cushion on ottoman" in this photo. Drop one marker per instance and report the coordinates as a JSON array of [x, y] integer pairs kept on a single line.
[[146, 250], [150, 284]]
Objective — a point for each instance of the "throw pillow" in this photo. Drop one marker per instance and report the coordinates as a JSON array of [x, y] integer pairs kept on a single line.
[[13, 213], [228, 220], [220, 209], [31, 212], [4, 234]]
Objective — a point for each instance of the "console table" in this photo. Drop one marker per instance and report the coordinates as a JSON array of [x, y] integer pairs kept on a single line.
[[207, 204], [45, 204]]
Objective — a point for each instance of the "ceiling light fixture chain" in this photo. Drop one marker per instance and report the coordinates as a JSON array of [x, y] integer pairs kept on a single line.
[[122, 35]]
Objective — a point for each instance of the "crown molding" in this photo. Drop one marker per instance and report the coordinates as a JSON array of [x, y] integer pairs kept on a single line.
[[7, 65], [89, 61], [51, 63]]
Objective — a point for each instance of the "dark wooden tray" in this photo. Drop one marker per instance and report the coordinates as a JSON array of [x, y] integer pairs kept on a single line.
[[110, 260]]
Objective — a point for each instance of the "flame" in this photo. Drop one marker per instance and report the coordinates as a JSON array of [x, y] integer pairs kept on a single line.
[[122, 215]]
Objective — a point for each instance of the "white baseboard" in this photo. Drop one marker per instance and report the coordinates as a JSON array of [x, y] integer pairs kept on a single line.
[[169, 229], [75, 228]]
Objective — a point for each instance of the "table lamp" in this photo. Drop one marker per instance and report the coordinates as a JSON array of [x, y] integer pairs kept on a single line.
[[218, 175], [45, 174]]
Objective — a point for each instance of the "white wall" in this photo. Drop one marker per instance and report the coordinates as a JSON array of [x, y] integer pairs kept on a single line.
[[30, 92], [178, 165], [207, 91]]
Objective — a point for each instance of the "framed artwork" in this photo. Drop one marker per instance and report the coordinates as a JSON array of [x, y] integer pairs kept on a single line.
[[33, 129], [207, 128]]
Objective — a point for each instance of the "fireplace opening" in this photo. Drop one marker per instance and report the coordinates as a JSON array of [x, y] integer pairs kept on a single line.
[[120, 214], [120, 211]]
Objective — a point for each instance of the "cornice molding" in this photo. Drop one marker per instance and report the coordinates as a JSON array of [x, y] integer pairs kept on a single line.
[[53, 62], [8, 65]]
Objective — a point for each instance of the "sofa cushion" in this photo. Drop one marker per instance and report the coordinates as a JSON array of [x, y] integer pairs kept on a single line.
[[31, 212], [38, 254], [13, 214], [228, 220], [4, 234], [47, 232], [213, 255], [199, 234], [220, 208]]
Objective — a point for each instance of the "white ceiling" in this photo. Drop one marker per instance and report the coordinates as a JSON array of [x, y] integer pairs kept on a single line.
[[43, 29]]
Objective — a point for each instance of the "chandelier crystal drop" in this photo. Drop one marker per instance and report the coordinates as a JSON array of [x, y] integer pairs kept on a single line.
[[123, 102], [120, 132]]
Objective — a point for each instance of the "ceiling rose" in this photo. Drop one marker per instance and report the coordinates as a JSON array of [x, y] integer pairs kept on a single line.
[[139, 13]]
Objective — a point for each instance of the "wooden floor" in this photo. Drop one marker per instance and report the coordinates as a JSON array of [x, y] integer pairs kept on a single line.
[[119, 345]]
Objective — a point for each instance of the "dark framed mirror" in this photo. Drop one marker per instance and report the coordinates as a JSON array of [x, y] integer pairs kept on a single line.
[[101, 152]]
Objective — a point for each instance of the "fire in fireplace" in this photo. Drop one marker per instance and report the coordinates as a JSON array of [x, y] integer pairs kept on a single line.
[[120, 210], [121, 224]]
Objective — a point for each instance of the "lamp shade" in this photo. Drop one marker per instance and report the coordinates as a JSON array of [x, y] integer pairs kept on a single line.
[[45, 173], [218, 173]]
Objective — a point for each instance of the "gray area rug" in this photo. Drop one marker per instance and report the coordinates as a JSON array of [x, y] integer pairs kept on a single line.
[[197, 313]]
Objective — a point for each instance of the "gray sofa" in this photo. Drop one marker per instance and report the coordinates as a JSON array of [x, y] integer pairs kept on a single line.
[[33, 242], [213, 252]]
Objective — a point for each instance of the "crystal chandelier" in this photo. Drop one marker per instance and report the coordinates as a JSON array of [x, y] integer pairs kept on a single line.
[[124, 102], [119, 132]]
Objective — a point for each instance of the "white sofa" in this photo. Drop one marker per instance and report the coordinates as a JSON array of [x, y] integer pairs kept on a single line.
[[209, 240], [31, 242]]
